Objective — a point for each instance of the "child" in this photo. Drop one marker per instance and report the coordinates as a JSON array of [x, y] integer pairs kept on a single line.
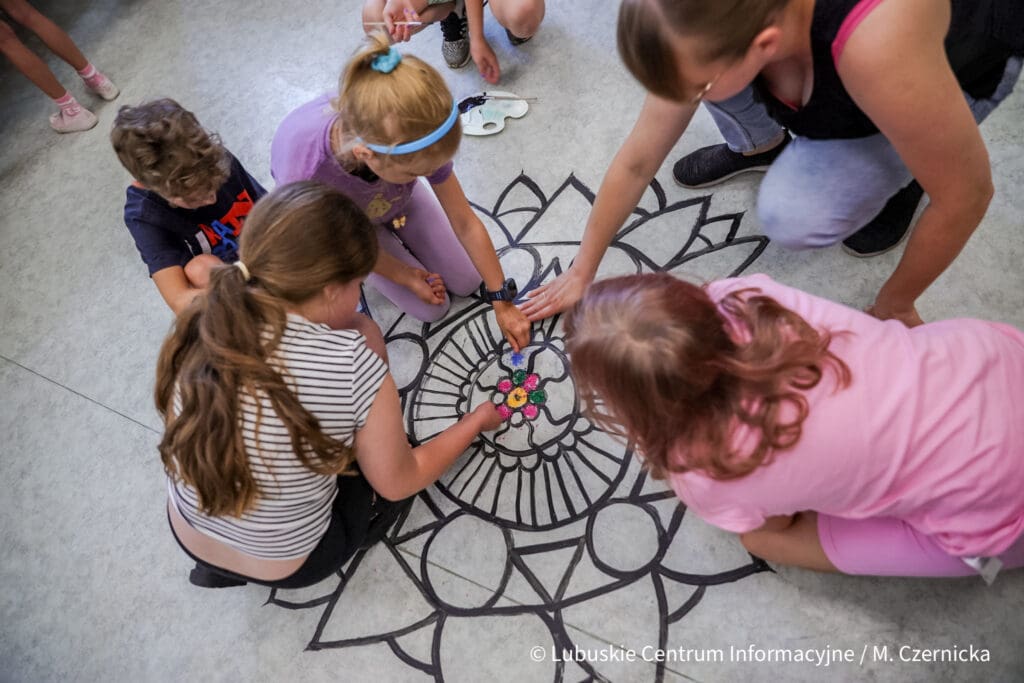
[[878, 94], [189, 200], [283, 425], [826, 438], [71, 116], [393, 121], [519, 18]]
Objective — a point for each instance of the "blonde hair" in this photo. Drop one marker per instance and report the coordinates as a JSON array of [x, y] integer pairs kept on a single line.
[[163, 146], [298, 239], [406, 104]]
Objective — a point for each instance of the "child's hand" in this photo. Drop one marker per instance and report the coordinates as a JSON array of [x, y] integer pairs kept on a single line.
[[485, 59], [488, 415], [400, 10], [429, 287], [513, 324]]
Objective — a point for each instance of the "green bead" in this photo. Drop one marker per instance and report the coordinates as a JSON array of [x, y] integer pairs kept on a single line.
[[519, 376], [538, 396]]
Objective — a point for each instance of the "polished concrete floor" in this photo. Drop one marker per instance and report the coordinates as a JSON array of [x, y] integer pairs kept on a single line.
[[93, 587]]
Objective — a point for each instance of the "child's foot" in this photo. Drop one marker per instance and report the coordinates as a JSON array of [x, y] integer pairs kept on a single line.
[[102, 86], [455, 48], [514, 39], [82, 119]]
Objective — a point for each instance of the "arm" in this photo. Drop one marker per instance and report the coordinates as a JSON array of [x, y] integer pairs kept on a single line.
[[483, 56], [778, 523], [393, 468], [660, 125], [175, 288], [895, 68], [473, 236]]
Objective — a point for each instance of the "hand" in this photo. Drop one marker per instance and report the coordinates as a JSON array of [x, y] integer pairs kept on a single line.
[[429, 287], [400, 10], [557, 296], [513, 324], [488, 416], [485, 59], [907, 316]]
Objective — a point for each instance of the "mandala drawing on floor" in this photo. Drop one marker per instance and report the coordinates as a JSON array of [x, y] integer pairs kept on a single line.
[[535, 515]]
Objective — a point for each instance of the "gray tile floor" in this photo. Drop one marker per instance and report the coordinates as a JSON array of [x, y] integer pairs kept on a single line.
[[93, 586]]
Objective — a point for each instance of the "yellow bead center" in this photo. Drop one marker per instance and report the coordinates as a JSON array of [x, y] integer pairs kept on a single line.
[[517, 398]]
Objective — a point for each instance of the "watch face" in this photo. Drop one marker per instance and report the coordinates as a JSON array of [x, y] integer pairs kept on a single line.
[[511, 288]]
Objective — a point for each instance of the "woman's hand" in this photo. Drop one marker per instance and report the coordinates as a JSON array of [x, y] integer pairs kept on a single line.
[[400, 11], [557, 296], [486, 416], [429, 287], [907, 316], [513, 324]]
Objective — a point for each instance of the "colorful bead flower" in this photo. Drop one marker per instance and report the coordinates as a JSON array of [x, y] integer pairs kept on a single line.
[[520, 394]]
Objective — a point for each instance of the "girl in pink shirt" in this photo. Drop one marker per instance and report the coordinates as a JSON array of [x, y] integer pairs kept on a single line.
[[826, 438]]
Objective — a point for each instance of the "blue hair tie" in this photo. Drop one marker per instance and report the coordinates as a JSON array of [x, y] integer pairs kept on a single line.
[[422, 143], [386, 63]]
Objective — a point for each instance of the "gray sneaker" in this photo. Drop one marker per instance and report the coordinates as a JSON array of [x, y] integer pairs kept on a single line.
[[455, 48]]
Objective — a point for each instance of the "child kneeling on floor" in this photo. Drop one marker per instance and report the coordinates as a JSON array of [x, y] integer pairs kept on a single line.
[[283, 427], [826, 438], [189, 200], [393, 122]]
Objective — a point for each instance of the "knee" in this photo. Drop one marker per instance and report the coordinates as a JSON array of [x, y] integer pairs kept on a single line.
[[371, 332], [198, 270], [430, 313], [373, 10], [521, 17], [756, 544], [791, 227], [464, 286]]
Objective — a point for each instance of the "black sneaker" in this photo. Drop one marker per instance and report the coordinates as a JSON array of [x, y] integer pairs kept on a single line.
[[455, 48], [889, 227], [206, 578], [514, 39], [711, 165]]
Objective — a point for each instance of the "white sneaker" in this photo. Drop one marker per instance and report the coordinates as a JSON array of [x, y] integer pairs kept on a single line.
[[65, 123], [102, 86]]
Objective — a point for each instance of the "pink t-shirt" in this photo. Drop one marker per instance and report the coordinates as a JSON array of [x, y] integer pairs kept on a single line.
[[930, 431]]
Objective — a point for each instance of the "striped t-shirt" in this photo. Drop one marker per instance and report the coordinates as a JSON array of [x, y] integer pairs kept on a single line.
[[336, 377]]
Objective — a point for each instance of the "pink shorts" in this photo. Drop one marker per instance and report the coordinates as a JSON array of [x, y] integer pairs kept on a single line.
[[886, 546]]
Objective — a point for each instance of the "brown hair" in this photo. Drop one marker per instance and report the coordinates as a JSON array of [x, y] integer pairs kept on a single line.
[[406, 104], [654, 355], [163, 146], [297, 240], [726, 27]]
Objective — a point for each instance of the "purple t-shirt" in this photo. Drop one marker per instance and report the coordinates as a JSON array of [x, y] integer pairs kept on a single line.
[[302, 151], [930, 431]]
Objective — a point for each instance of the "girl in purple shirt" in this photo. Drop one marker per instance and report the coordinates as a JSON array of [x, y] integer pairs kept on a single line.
[[825, 438], [394, 121]]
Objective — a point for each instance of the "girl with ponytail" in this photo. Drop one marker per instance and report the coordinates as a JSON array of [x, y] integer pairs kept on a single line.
[[282, 425], [393, 122], [826, 438]]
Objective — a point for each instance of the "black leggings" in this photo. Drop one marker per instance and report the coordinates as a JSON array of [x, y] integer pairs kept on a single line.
[[350, 522]]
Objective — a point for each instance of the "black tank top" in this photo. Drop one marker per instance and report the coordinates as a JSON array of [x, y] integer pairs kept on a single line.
[[982, 35]]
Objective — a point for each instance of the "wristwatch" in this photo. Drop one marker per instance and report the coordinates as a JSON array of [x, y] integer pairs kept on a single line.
[[508, 292]]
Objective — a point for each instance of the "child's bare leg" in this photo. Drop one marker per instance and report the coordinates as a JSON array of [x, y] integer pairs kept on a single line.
[[53, 36], [521, 17], [29, 63], [798, 545], [198, 270], [373, 14]]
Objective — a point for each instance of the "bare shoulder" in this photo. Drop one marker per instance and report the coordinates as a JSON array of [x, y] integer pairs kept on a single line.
[[893, 32]]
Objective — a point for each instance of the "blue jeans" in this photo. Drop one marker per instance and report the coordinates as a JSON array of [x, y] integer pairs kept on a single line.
[[818, 192]]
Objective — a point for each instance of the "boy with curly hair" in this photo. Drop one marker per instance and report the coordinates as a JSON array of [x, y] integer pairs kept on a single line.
[[189, 200]]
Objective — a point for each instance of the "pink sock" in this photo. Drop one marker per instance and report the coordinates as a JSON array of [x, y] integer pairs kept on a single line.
[[68, 104], [88, 72]]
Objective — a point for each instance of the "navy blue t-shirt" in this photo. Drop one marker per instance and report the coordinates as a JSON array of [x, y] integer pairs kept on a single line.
[[169, 236]]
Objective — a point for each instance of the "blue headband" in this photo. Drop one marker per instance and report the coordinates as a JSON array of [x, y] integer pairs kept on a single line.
[[422, 143]]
